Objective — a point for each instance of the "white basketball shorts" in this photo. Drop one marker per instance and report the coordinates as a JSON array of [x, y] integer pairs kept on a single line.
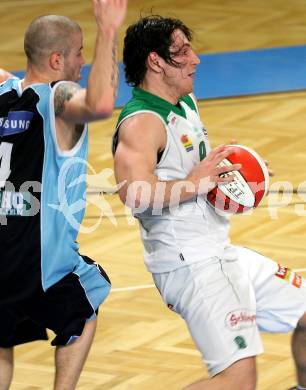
[[225, 304]]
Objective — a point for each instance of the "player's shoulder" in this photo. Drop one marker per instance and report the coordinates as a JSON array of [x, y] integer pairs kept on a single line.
[[142, 124], [134, 105], [144, 105]]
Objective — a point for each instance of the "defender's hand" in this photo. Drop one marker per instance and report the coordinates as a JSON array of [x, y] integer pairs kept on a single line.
[[109, 14]]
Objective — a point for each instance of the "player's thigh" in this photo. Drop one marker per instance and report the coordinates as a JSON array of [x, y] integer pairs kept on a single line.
[[218, 304], [280, 292]]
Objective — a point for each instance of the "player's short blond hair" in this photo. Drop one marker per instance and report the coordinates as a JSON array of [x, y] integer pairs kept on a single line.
[[47, 34]]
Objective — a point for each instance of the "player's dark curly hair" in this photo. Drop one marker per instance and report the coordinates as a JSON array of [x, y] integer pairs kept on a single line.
[[148, 34]]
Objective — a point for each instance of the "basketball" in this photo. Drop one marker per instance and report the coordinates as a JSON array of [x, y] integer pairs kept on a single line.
[[250, 183]]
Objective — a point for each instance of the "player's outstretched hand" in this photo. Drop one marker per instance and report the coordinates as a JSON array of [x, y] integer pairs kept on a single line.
[[209, 173], [109, 14]]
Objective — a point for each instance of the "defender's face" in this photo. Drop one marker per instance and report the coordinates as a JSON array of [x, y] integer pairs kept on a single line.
[[74, 60], [182, 75]]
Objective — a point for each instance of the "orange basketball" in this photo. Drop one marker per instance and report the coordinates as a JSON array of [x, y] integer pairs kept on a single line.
[[249, 186]]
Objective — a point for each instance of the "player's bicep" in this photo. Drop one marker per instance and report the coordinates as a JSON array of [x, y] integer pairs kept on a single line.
[[72, 106], [136, 156], [63, 94], [125, 162], [131, 163], [70, 103]]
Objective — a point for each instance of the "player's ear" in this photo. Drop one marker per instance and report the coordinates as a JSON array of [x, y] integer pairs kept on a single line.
[[56, 61], [154, 62]]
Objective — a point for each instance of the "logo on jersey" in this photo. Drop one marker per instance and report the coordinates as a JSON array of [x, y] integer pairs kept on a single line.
[[287, 274], [240, 319], [15, 122], [15, 204], [198, 132], [11, 203], [186, 141], [173, 120]]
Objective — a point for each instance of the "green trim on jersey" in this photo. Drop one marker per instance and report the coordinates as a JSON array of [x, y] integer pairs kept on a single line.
[[190, 102], [143, 100]]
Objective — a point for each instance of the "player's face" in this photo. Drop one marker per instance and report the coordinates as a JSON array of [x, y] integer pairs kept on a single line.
[[181, 77], [74, 60]]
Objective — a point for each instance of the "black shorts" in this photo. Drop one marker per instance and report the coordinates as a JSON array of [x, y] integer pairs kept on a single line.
[[64, 308]]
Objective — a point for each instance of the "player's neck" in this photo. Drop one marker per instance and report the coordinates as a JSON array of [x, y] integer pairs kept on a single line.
[[34, 76], [160, 90]]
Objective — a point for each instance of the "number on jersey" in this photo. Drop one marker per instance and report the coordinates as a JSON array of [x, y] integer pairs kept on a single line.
[[5, 162]]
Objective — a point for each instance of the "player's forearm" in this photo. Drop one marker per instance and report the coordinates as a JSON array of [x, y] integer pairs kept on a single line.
[[154, 193], [103, 77]]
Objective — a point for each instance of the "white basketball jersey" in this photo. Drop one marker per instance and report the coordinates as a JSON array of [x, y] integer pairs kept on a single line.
[[192, 231]]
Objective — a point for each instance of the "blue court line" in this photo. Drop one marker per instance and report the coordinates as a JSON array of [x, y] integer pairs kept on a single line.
[[239, 73]]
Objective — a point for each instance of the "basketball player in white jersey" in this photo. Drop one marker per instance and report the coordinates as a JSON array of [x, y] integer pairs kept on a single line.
[[44, 281], [226, 294]]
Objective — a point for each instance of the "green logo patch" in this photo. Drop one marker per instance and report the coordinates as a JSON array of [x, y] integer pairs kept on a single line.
[[240, 341]]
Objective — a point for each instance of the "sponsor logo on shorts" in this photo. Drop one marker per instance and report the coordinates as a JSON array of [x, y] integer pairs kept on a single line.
[[240, 341], [240, 319], [282, 272], [287, 274], [297, 280]]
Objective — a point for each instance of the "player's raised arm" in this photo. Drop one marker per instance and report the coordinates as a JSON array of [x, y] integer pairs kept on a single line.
[[97, 101]]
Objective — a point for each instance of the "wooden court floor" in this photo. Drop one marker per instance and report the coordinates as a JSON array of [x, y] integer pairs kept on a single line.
[[140, 344]]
